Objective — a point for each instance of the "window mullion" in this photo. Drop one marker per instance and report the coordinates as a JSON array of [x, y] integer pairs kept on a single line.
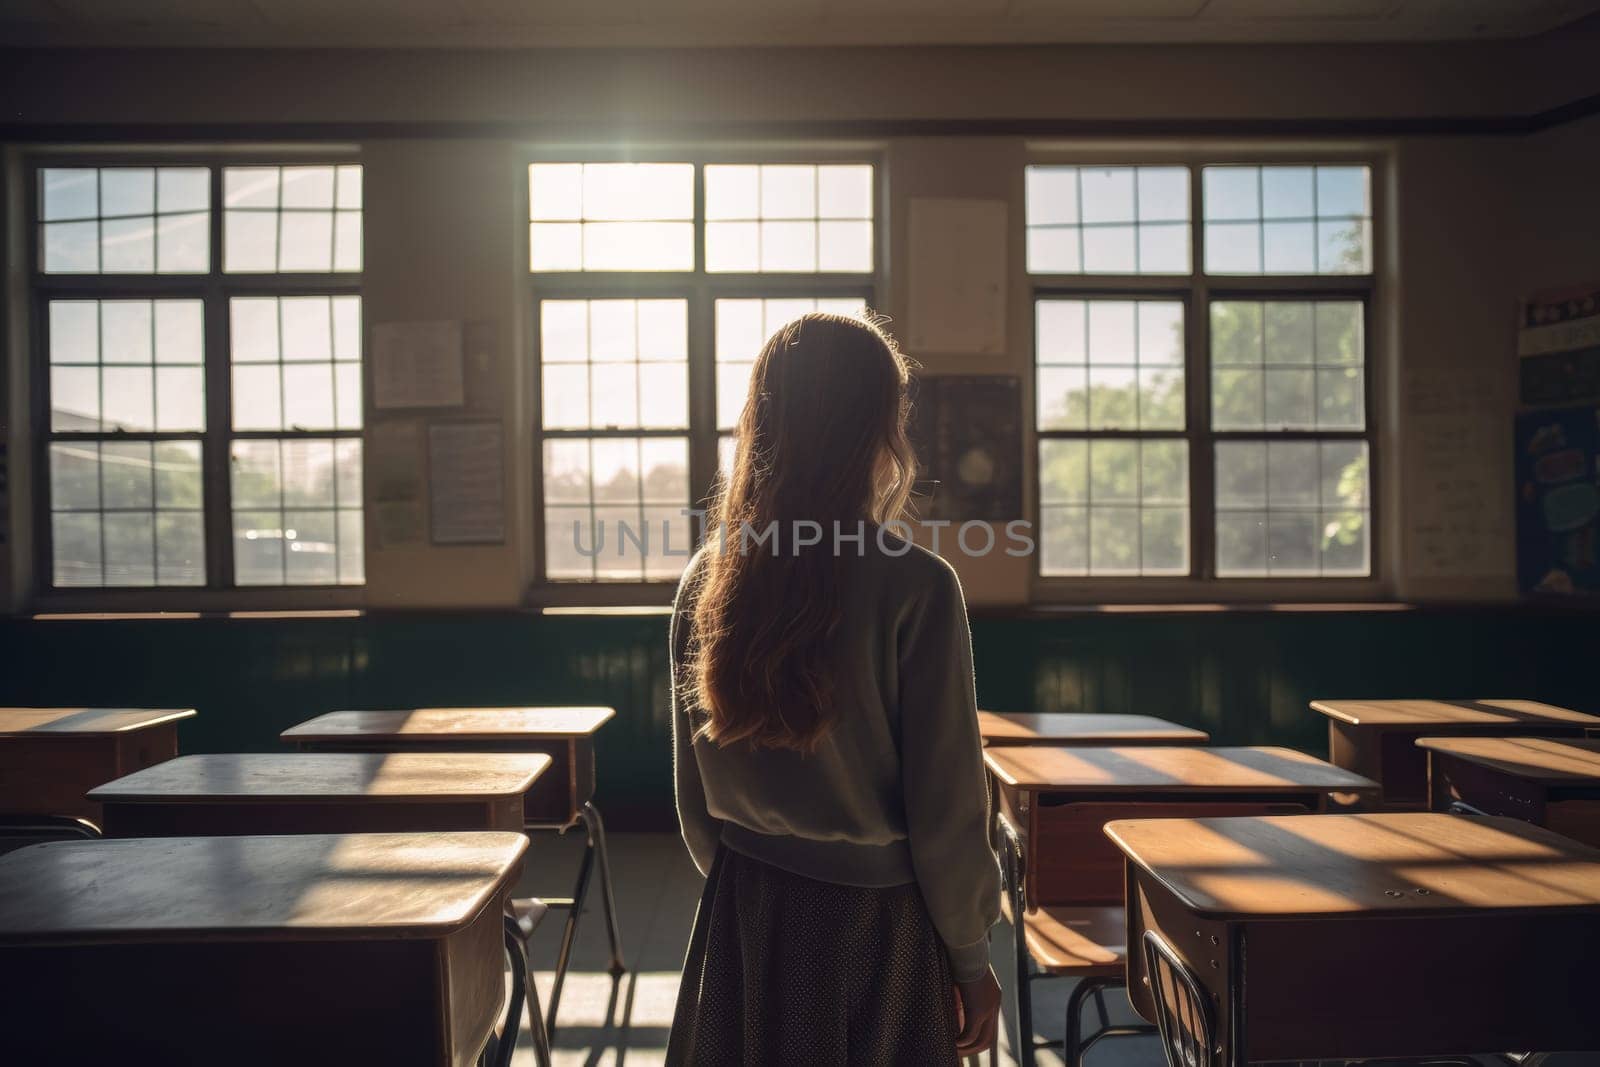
[[215, 465], [1197, 362]]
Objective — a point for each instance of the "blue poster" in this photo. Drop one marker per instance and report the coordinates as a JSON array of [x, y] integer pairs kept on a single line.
[[1558, 500]]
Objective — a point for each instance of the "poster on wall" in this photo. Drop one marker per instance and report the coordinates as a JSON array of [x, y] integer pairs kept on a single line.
[[417, 365], [1558, 500], [968, 435], [466, 483], [1558, 345]]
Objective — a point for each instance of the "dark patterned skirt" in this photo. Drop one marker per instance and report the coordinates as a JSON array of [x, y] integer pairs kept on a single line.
[[785, 970]]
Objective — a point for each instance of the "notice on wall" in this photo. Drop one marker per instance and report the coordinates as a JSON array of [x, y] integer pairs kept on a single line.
[[1457, 477], [417, 365], [1558, 345], [957, 266], [466, 482], [394, 469]]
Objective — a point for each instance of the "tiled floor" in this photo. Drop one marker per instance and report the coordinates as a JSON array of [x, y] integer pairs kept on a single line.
[[606, 1023]]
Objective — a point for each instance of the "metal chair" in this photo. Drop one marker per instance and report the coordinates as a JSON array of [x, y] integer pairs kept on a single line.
[[1092, 979], [21, 830], [1183, 1009]]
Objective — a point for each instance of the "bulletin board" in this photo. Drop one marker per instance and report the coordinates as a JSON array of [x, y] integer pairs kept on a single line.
[[967, 430], [1558, 500]]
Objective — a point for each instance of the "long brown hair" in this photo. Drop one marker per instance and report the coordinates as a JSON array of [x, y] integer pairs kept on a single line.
[[822, 438]]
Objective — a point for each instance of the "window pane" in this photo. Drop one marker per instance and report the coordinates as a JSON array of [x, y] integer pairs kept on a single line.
[[279, 220], [284, 352], [102, 375], [126, 513], [125, 220], [614, 508], [1107, 220], [1134, 378], [608, 364], [784, 217], [611, 216], [1287, 365], [742, 329], [1288, 220], [1114, 507], [297, 512], [1292, 509]]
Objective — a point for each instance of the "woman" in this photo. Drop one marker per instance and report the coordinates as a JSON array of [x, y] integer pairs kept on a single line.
[[829, 777]]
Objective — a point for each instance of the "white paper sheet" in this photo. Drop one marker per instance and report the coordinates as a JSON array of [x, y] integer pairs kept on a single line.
[[417, 365]]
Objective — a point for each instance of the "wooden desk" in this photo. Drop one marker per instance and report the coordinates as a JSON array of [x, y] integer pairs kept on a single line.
[[1377, 738], [564, 734], [1376, 935], [1549, 781], [562, 799], [320, 792], [315, 950], [1064, 875], [51, 757], [1071, 728], [1058, 800]]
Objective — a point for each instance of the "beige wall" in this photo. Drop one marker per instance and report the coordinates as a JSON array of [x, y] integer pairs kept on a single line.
[[1471, 222]]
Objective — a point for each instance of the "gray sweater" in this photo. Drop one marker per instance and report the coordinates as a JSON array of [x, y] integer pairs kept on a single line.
[[896, 792]]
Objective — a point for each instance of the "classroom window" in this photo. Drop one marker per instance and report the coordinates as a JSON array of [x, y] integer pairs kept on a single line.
[[611, 216], [202, 430], [1108, 220], [789, 217], [1255, 391], [648, 319], [1288, 220], [124, 220], [288, 220]]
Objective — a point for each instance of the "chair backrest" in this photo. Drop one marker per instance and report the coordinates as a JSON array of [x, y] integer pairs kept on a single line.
[[1070, 860], [20, 831], [1183, 1008]]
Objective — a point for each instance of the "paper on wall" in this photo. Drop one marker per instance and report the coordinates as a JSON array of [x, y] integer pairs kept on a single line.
[[417, 365], [466, 482]]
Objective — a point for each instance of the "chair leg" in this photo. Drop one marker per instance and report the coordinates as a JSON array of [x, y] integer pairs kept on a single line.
[[1072, 1048], [597, 841], [569, 933], [1013, 878], [506, 1046]]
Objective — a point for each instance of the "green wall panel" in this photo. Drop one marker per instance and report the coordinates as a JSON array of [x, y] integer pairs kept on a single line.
[[1245, 675]]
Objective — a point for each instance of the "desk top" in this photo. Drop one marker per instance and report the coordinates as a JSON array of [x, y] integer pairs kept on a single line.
[[85, 722], [467, 724], [304, 887], [329, 776], [1084, 728], [1454, 713], [1168, 769], [1556, 761], [1304, 866]]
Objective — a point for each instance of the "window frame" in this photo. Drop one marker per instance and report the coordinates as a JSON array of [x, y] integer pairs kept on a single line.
[[213, 289], [1198, 290], [701, 289]]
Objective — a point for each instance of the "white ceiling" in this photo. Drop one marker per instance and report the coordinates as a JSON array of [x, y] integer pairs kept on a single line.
[[630, 23]]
